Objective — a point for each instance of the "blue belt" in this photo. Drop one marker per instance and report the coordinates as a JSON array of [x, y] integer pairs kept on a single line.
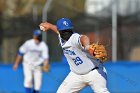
[[94, 68]]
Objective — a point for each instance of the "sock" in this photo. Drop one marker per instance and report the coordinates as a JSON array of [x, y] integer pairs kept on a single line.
[[28, 90], [35, 91]]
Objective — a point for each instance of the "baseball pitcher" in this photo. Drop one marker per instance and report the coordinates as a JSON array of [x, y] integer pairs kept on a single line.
[[85, 60]]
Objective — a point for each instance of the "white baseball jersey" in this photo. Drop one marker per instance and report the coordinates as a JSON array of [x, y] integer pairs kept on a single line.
[[80, 61], [34, 53]]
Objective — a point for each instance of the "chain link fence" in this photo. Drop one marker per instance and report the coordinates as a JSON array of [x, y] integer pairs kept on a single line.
[[97, 25]]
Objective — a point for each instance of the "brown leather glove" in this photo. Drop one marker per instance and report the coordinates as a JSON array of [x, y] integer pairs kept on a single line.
[[46, 68], [98, 51]]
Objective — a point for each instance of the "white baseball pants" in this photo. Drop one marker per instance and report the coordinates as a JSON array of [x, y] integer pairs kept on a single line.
[[73, 83], [32, 75]]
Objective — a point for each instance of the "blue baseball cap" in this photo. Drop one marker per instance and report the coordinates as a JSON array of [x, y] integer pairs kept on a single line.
[[64, 24], [37, 32]]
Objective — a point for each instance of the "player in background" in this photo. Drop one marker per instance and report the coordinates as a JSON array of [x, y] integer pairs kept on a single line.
[[35, 54], [85, 69]]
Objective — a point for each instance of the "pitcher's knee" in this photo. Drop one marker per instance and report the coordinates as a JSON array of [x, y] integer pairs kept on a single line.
[[63, 90], [105, 90], [60, 90]]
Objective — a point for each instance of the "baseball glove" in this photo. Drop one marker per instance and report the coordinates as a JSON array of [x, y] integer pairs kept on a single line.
[[98, 51], [46, 68]]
